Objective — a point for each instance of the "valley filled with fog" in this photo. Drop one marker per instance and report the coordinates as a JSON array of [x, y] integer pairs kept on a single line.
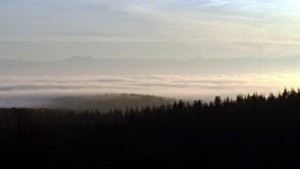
[[211, 84], [41, 90]]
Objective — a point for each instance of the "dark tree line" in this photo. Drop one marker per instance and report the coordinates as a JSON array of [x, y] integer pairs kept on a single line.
[[252, 131]]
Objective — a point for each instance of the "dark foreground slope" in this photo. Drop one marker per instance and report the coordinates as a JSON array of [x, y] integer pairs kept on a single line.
[[250, 132]]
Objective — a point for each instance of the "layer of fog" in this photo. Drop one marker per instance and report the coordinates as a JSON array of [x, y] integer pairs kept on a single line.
[[33, 91]]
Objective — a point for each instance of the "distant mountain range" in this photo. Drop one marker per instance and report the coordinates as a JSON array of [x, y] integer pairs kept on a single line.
[[90, 65]]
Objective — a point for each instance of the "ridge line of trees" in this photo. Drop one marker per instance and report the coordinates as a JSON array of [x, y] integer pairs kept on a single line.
[[252, 131]]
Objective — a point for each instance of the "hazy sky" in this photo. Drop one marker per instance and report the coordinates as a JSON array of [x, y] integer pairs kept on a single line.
[[58, 29]]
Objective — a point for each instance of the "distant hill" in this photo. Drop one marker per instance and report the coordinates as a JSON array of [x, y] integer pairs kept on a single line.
[[105, 102], [90, 65]]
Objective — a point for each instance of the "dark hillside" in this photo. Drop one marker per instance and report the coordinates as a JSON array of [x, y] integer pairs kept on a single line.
[[105, 102], [251, 131]]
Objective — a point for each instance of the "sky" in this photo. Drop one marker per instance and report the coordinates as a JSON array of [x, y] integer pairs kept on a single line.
[[179, 29]]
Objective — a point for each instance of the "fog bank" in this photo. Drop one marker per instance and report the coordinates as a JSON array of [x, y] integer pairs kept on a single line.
[[37, 90]]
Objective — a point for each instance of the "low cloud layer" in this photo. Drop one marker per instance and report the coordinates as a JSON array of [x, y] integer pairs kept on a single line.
[[26, 89]]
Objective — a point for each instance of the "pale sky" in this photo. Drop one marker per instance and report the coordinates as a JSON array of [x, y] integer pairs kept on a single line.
[[58, 29]]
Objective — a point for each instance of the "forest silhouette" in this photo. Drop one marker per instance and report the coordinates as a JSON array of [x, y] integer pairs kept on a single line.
[[250, 131]]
